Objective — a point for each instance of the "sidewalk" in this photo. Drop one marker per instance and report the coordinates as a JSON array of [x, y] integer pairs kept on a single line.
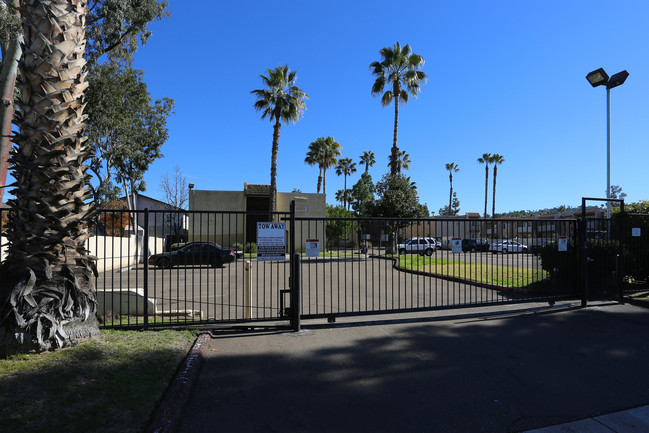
[[440, 372]]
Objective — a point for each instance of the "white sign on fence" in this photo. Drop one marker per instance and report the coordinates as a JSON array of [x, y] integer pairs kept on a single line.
[[456, 245], [313, 247], [563, 243], [271, 241]]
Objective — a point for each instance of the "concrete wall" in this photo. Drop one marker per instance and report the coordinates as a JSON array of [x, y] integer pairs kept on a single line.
[[228, 226]]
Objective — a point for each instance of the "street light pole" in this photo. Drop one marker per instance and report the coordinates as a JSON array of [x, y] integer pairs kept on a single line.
[[608, 152], [596, 78]]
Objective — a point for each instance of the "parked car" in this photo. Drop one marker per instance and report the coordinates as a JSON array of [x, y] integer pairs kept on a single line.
[[419, 246], [508, 247], [475, 245], [194, 254]]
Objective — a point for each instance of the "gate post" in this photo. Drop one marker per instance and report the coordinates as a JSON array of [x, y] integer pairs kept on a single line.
[[584, 255], [294, 273], [145, 282]]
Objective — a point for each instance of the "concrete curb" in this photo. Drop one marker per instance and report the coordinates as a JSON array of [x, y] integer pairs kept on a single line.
[[167, 415]]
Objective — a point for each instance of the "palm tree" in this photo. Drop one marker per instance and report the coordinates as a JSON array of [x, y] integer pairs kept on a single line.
[[399, 69], [368, 159], [281, 100], [314, 156], [329, 157], [403, 161], [496, 159], [452, 168], [345, 168], [47, 286], [485, 159]]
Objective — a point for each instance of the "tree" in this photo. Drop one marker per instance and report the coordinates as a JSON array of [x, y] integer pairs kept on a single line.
[[113, 27], [341, 197], [362, 195], [11, 39], [281, 100], [314, 156], [176, 193], [616, 192], [345, 168], [324, 152], [126, 129], [403, 161], [399, 69], [496, 159], [47, 293], [455, 206], [452, 168], [486, 160], [368, 159], [396, 199]]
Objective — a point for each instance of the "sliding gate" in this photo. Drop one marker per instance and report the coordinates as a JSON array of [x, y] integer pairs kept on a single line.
[[349, 266]]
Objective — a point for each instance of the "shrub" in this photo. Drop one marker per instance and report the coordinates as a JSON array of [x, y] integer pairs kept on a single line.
[[251, 247], [237, 246]]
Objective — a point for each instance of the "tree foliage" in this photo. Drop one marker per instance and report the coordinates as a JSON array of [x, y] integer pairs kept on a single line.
[[279, 100], [400, 71], [396, 198], [362, 195], [126, 128]]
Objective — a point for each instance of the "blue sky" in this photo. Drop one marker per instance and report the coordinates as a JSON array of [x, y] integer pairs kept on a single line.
[[505, 77]]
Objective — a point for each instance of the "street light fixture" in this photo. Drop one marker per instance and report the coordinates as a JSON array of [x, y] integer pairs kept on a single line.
[[596, 78]]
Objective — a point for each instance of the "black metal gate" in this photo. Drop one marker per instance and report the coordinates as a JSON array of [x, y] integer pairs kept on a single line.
[[336, 267]]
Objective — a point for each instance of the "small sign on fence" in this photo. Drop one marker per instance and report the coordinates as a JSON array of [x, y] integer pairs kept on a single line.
[[635, 232], [563, 243], [313, 247], [456, 245], [271, 241]]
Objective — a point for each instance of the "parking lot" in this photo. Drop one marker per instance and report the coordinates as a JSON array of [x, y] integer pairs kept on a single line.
[[343, 284]]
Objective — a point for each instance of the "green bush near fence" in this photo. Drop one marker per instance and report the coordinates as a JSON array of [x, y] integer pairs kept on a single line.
[[251, 248]]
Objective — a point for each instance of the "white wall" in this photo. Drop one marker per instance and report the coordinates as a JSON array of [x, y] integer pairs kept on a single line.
[[112, 252]]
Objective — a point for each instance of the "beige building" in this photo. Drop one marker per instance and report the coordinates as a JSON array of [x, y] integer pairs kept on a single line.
[[231, 217]]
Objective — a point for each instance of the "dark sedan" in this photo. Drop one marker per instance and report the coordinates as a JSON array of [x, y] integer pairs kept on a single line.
[[194, 254]]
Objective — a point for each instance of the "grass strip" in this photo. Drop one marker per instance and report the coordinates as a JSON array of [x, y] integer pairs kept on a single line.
[[498, 275], [110, 384]]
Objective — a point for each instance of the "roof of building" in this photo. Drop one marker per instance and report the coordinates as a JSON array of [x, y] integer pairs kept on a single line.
[[259, 190]]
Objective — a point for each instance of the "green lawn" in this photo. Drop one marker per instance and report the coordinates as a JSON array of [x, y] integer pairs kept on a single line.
[[507, 276], [110, 384]]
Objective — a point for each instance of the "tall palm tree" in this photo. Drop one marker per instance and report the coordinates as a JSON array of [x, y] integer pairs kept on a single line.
[[403, 161], [452, 168], [314, 156], [368, 159], [47, 288], [345, 168], [496, 159], [281, 100], [486, 159], [399, 70], [329, 157]]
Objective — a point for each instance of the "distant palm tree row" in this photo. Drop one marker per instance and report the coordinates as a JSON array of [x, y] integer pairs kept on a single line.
[[281, 100], [496, 160]]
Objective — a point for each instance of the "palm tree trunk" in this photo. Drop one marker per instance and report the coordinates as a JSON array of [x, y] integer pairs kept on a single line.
[[324, 181], [486, 188], [395, 150], [319, 180], [450, 197], [493, 201], [273, 167], [47, 288], [7, 83]]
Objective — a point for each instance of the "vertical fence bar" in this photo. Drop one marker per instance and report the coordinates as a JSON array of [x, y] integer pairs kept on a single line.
[[145, 280]]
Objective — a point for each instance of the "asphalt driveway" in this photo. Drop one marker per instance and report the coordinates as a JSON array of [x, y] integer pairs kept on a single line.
[[432, 373]]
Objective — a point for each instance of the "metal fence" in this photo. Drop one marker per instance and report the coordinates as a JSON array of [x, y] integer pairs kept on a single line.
[[148, 275]]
